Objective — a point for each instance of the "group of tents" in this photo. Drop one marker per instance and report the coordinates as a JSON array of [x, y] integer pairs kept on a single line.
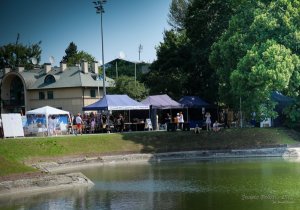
[[38, 118], [124, 102], [151, 103]]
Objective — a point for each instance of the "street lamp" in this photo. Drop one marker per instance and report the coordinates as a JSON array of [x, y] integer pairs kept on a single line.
[[100, 10]]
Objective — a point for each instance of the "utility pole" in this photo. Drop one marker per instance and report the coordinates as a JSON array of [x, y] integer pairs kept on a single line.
[[140, 50], [100, 10]]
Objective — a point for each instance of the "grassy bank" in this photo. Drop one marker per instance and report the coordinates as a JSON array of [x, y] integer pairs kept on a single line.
[[14, 152]]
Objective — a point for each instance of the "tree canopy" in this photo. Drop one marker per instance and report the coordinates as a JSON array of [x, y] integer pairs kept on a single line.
[[258, 54], [14, 55], [128, 85], [74, 57], [182, 66]]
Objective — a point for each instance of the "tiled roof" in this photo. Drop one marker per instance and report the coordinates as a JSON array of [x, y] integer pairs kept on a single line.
[[70, 77]]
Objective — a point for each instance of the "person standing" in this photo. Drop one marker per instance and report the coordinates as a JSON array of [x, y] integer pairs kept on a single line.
[[79, 123], [93, 123], [181, 121], [176, 121], [208, 121], [226, 119], [52, 125], [168, 120]]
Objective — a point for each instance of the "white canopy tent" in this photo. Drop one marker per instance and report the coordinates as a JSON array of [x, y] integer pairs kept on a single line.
[[46, 111]]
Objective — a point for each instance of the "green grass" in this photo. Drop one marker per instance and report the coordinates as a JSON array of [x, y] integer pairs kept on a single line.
[[14, 152]]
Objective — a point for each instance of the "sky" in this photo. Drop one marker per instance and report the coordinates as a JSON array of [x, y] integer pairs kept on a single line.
[[126, 25]]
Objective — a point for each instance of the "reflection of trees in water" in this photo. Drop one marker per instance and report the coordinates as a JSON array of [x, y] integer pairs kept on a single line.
[[47, 200]]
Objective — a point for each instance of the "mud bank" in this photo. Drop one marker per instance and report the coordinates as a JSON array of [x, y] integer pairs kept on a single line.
[[46, 183]]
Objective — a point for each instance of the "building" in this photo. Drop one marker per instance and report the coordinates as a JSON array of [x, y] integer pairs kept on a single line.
[[67, 88]]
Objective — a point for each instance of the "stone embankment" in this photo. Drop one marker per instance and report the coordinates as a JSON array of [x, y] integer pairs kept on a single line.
[[48, 182], [74, 163], [52, 181]]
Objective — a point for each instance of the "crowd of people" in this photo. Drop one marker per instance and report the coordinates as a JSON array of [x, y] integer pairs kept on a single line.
[[106, 123], [94, 122], [225, 119]]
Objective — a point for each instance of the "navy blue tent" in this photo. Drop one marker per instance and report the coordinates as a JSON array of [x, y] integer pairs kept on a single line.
[[116, 102], [193, 102], [282, 102]]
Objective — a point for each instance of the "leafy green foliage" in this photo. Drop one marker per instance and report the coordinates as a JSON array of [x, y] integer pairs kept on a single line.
[[257, 54], [169, 72], [182, 66], [177, 14], [128, 85], [74, 57], [14, 55], [120, 67]]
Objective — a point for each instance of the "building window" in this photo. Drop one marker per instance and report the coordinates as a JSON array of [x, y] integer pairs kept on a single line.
[[50, 95], [41, 96], [49, 79], [93, 93]]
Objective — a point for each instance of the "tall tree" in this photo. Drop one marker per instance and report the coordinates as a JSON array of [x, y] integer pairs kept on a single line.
[[13, 55], [71, 51], [258, 54], [128, 85], [74, 57], [168, 72], [177, 14], [205, 22]]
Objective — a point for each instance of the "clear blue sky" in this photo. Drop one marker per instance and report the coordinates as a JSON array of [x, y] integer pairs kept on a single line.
[[126, 24]]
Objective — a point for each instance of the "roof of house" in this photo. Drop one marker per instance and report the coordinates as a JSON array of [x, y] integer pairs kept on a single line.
[[55, 78]]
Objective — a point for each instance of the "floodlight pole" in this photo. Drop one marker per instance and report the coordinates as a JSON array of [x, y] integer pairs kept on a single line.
[[100, 10]]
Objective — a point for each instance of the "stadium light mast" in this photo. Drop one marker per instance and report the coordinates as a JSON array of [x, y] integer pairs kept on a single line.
[[100, 10]]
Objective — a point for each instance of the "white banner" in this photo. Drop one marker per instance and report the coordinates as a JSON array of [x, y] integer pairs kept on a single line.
[[12, 125]]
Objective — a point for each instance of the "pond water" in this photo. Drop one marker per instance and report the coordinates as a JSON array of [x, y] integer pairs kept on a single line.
[[215, 184]]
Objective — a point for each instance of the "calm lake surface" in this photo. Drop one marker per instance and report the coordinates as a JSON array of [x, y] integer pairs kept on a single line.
[[215, 184]]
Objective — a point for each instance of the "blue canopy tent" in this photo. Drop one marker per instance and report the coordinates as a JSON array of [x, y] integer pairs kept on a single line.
[[116, 102], [193, 102], [282, 102], [160, 102]]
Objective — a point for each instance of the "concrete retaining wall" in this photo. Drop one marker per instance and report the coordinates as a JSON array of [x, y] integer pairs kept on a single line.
[[71, 164], [50, 182], [53, 182]]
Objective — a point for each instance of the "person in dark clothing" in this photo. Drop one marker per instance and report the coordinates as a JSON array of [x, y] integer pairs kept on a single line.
[[226, 119]]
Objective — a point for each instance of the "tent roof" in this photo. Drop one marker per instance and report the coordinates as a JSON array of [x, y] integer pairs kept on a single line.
[[282, 100], [47, 110], [161, 102], [116, 102], [193, 102], [278, 97]]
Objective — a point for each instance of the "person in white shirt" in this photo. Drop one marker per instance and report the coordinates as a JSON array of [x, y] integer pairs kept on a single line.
[[208, 121], [181, 120], [52, 125], [79, 123], [216, 126]]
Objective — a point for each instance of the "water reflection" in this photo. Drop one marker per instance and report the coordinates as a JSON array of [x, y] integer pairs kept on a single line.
[[217, 184]]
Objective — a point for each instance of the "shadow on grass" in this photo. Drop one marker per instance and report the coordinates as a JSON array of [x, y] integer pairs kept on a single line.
[[247, 138]]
